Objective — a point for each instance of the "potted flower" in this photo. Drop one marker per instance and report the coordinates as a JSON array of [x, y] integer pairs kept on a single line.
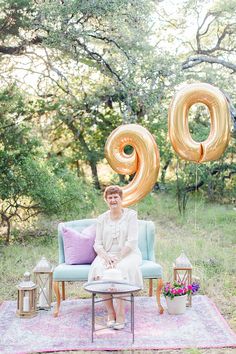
[[176, 296]]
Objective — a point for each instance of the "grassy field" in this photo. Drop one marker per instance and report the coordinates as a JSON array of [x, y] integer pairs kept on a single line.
[[207, 234]]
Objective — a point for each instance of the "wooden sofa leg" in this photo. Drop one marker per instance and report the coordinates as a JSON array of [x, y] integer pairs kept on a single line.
[[58, 297], [63, 290], [150, 287], [158, 294]]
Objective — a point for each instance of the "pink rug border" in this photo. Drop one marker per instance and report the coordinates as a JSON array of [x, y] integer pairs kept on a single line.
[[134, 347]]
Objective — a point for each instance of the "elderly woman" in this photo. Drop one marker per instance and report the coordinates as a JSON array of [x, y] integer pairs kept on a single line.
[[116, 245]]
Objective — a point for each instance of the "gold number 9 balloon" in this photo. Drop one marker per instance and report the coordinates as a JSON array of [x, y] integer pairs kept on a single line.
[[213, 147], [144, 161]]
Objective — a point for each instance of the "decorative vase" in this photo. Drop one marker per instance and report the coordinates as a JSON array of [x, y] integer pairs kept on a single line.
[[177, 305]]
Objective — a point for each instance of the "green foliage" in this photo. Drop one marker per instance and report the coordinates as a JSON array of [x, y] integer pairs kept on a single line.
[[29, 184], [15, 15], [211, 181], [57, 193], [16, 145], [199, 122]]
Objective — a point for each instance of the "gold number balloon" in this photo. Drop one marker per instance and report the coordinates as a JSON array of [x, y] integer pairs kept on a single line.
[[213, 147], [144, 160]]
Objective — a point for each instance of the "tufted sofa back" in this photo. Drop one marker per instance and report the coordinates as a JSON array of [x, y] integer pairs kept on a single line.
[[146, 236]]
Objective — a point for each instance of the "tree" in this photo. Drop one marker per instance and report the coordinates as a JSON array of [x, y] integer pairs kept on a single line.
[[29, 185], [104, 39], [203, 39], [215, 36], [100, 34]]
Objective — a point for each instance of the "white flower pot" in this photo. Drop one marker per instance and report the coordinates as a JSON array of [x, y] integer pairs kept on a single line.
[[177, 305]]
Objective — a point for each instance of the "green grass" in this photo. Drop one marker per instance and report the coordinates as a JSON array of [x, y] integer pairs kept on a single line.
[[206, 233]]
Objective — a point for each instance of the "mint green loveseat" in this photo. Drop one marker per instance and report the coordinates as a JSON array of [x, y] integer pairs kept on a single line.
[[150, 269]]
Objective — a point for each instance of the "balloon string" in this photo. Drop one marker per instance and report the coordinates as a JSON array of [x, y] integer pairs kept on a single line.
[[195, 203]]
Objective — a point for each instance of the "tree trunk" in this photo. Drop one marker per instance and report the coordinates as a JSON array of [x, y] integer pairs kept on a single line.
[[179, 193], [122, 178], [89, 154], [93, 166], [8, 231], [163, 172], [7, 221], [80, 172]]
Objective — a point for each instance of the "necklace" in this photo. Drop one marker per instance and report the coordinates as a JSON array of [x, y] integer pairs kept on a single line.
[[116, 218]]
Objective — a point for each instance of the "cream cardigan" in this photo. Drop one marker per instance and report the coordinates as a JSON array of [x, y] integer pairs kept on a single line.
[[126, 227]]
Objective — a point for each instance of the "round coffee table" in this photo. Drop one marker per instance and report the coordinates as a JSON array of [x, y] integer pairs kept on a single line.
[[119, 289]]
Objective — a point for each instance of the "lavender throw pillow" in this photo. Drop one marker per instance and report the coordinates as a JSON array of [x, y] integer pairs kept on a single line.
[[78, 246]]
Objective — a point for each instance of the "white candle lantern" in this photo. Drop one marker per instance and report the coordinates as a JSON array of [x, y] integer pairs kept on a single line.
[[26, 298], [183, 272], [43, 272]]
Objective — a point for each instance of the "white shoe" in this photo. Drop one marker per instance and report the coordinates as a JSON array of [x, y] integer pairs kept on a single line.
[[111, 323], [118, 325]]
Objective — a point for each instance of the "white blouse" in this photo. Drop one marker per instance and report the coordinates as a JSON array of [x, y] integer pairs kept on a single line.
[[123, 231]]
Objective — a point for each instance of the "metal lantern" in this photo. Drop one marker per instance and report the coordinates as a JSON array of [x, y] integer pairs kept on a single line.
[[26, 298], [43, 272], [183, 272]]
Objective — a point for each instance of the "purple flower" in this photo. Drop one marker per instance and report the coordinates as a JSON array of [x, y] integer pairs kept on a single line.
[[195, 287], [179, 288]]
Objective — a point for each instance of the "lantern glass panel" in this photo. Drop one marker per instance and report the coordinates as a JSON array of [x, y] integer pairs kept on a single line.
[[26, 304], [43, 278], [44, 292]]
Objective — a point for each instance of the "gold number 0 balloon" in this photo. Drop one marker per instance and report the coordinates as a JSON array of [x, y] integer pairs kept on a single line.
[[213, 147], [144, 160]]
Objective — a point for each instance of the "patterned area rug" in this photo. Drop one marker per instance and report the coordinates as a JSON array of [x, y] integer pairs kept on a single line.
[[202, 326]]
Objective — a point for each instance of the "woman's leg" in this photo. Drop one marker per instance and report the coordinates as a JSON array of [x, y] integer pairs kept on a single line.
[[120, 311], [130, 268], [108, 304], [111, 318]]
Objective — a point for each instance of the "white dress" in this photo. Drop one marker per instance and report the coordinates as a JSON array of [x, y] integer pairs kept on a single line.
[[111, 237]]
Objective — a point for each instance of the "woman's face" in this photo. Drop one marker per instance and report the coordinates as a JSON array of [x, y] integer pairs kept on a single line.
[[114, 201]]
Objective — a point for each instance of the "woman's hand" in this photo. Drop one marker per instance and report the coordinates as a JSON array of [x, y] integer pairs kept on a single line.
[[108, 259], [111, 261]]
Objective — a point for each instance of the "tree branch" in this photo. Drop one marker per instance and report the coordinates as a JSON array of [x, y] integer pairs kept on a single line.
[[99, 59], [198, 34], [21, 48], [191, 62], [109, 40], [215, 171], [227, 30]]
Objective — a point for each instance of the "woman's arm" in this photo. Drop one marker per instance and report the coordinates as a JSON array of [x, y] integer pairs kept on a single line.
[[132, 238], [98, 245]]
